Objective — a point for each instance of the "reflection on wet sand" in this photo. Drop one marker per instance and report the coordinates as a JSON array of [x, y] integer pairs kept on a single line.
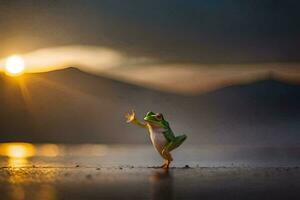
[[161, 183], [17, 155], [22, 167], [90, 171], [42, 187], [44, 192], [17, 162], [17, 192], [19, 178]]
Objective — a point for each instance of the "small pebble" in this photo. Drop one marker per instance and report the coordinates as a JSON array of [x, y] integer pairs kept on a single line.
[[89, 176], [186, 166], [77, 165], [120, 168], [97, 168]]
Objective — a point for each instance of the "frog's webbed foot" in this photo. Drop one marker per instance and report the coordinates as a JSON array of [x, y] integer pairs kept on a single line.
[[130, 117], [166, 154], [163, 166], [166, 164]]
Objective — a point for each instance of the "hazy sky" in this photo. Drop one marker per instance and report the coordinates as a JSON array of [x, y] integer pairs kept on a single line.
[[176, 46], [214, 31]]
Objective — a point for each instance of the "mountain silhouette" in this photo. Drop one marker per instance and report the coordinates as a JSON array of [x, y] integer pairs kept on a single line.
[[71, 106]]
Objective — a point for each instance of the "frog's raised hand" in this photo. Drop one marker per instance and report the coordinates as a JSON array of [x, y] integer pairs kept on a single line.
[[132, 119], [162, 136]]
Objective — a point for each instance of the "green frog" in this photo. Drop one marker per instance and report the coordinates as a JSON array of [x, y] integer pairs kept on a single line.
[[162, 136]]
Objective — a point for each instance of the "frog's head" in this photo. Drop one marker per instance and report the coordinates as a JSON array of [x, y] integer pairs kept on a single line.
[[156, 119]]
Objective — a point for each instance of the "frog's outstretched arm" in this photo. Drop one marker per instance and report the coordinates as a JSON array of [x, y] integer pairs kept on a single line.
[[132, 119]]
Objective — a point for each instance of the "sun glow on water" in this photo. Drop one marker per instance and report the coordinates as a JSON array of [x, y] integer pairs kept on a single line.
[[17, 150]]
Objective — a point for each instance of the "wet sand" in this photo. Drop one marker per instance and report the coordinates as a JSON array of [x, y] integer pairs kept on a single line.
[[83, 175], [149, 183]]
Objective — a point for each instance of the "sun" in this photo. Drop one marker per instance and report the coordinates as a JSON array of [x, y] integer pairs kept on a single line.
[[14, 66]]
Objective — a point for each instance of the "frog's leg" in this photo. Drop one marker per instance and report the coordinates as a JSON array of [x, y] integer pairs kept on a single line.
[[176, 142], [173, 144], [168, 159], [165, 164]]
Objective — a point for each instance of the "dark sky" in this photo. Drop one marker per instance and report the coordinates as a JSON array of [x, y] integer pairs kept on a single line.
[[214, 31]]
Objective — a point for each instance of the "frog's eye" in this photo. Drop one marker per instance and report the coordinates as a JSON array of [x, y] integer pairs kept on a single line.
[[158, 116]]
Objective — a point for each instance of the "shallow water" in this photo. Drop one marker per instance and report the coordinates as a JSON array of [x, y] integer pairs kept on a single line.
[[49, 171], [93, 155]]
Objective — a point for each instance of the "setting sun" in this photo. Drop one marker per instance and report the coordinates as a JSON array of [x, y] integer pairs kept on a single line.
[[14, 66]]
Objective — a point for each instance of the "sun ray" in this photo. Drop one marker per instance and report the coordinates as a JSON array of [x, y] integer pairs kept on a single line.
[[25, 94]]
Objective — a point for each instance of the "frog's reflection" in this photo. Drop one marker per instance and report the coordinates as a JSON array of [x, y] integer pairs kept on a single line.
[[161, 183]]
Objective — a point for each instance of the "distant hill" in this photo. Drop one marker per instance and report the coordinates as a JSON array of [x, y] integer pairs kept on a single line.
[[70, 106]]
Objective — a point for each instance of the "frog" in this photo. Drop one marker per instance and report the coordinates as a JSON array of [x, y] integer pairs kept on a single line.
[[161, 135]]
